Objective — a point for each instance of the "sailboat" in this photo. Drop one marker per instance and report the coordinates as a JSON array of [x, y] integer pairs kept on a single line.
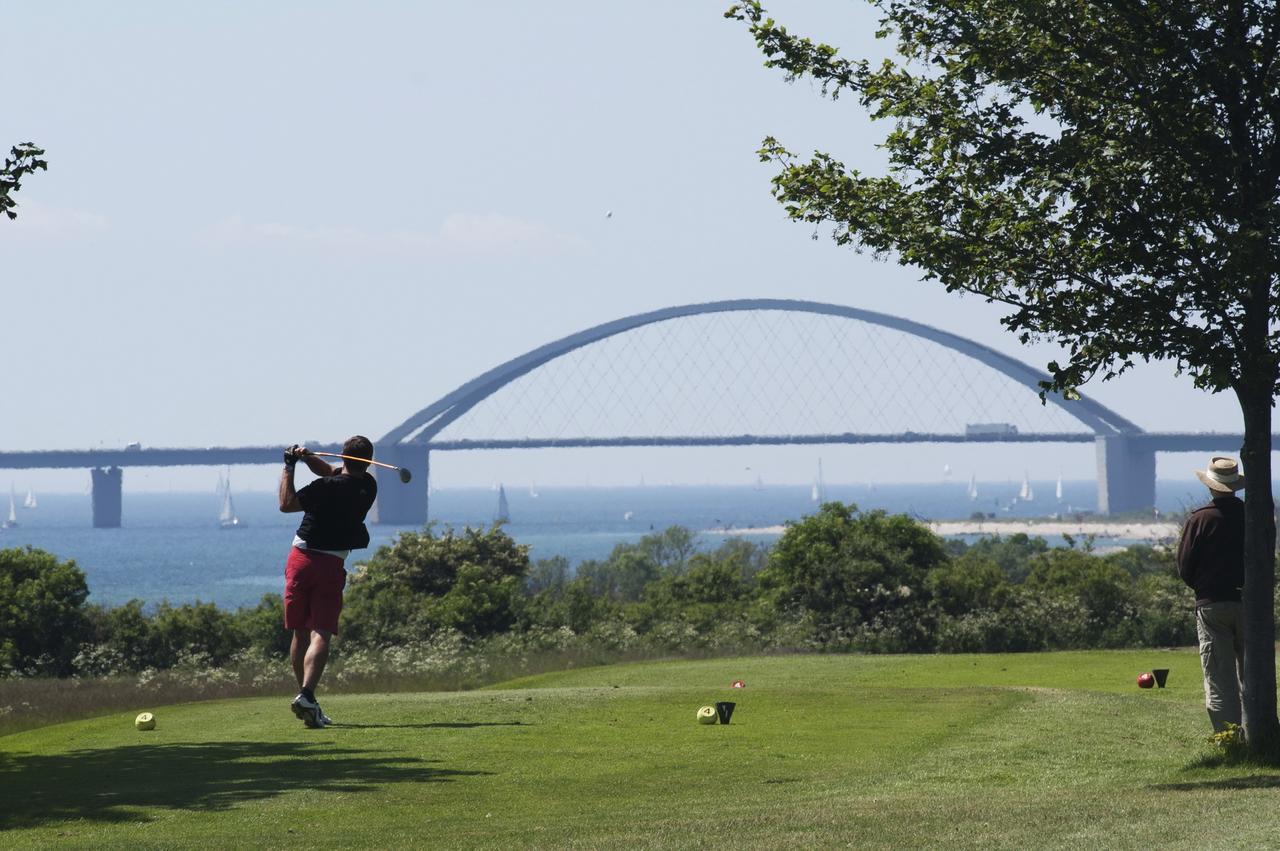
[[972, 490], [30, 501], [504, 513], [227, 518], [1057, 491], [533, 491], [818, 494], [13, 512], [1025, 493], [759, 485]]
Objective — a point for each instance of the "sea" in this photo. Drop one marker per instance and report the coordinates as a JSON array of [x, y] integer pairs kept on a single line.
[[171, 548]]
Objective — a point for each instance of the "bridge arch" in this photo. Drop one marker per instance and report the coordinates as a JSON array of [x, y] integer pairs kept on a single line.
[[424, 425]]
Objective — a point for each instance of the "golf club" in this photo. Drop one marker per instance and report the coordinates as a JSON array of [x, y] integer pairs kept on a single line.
[[405, 475]]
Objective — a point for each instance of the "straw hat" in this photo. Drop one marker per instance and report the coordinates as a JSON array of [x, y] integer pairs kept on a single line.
[[1222, 475]]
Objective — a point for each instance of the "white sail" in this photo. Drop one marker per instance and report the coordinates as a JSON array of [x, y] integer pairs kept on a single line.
[[227, 518], [1058, 489], [1025, 493], [759, 485], [13, 510], [819, 493], [504, 513], [972, 490], [30, 501], [533, 491]]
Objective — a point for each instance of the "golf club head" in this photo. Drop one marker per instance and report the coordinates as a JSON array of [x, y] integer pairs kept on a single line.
[[405, 475]]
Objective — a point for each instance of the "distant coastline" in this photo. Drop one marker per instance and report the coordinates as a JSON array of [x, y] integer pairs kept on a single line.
[[1147, 532]]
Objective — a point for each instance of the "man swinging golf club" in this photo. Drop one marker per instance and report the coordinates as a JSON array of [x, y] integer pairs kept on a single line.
[[334, 507]]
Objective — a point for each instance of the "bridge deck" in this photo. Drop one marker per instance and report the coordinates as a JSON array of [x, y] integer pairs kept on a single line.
[[233, 455]]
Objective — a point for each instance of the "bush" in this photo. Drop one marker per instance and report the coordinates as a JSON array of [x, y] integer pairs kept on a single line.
[[469, 581], [852, 574], [42, 613]]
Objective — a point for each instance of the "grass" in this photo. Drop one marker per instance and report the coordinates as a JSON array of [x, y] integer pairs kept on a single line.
[[1044, 750]]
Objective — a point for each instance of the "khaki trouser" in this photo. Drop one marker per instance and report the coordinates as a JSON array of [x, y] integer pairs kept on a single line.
[[1221, 655]]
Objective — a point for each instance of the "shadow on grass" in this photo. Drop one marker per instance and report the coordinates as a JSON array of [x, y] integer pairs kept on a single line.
[[1256, 781], [119, 784], [440, 725]]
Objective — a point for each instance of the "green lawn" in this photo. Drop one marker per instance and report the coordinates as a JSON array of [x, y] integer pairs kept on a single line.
[[1008, 751]]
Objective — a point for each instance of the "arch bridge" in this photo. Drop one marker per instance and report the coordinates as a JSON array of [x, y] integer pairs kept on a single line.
[[1125, 453], [726, 373]]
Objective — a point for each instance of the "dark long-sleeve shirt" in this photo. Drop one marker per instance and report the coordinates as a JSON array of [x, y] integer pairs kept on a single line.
[[1211, 552]]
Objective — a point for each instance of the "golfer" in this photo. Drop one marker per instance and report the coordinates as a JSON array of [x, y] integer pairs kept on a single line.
[[1211, 562], [334, 507]]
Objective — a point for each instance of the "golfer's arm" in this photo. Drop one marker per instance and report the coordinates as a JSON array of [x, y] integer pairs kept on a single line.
[[319, 466], [288, 494]]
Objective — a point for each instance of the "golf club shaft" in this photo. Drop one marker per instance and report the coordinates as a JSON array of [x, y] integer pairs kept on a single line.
[[354, 458]]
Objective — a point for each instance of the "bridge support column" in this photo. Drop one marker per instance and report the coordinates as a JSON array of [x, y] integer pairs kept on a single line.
[[1126, 475], [401, 504], [107, 496]]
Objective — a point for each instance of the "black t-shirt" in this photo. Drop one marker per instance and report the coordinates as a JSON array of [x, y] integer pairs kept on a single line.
[[335, 509]]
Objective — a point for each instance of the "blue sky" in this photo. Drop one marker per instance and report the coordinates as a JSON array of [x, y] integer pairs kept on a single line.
[[265, 223]]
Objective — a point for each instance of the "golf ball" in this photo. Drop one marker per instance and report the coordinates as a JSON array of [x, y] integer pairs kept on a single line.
[[707, 715], [145, 721]]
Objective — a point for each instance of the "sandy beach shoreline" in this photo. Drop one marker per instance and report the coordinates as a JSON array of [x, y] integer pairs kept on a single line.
[[1152, 532]]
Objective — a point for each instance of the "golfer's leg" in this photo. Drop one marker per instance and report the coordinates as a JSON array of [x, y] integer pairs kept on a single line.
[[298, 651], [1215, 629], [317, 656]]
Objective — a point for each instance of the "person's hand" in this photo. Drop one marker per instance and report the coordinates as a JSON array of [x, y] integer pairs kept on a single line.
[[293, 453]]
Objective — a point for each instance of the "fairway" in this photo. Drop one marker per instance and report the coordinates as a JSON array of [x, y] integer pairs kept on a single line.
[[872, 751]]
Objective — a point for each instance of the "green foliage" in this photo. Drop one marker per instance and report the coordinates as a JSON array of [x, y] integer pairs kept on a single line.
[[1108, 172], [847, 571], [42, 618], [1071, 162], [1104, 591], [968, 583], [1012, 554], [421, 583], [715, 589], [262, 627], [622, 577], [548, 575], [839, 579], [22, 160], [1141, 560], [192, 629], [631, 568]]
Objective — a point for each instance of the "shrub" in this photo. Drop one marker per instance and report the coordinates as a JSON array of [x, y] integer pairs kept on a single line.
[[469, 581], [42, 613], [850, 572]]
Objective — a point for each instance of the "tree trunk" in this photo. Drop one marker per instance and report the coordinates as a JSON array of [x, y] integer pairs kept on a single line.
[[1262, 728]]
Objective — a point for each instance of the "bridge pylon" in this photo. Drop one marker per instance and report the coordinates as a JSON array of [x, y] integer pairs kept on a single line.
[[1126, 474], [400, 503], [107, 496]]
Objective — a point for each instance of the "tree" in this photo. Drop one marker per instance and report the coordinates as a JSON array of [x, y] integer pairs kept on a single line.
[[22, 160], [469, 580], [1108, 171], [845, 570], [42, 612]]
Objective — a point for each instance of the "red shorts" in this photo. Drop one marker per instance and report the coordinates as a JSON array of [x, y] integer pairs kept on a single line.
[[313, 584]]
